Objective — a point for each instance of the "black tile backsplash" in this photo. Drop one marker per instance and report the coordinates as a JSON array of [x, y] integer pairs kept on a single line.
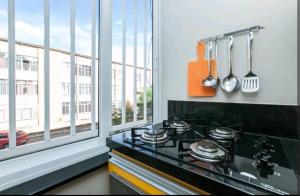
[[272, 120]]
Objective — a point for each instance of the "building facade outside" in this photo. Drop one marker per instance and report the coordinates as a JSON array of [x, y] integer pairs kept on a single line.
[[30, 89]]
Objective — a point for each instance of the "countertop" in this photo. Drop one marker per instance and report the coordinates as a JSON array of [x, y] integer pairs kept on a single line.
[[199, 177]]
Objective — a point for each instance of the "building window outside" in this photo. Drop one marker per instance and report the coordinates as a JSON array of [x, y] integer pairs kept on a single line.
[[85, 107], [18, 62], [82, 107], [84, 70], [66, 89], [3, 87], [34, 66], [26, 87], [3, 61], [26, 65], [66, 108], [23, 114], [85, 89]]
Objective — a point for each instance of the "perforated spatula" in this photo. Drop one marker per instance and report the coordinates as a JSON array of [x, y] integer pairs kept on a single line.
[[250, 83]]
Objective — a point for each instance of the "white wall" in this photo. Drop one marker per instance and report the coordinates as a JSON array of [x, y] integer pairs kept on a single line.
[[184, 22]]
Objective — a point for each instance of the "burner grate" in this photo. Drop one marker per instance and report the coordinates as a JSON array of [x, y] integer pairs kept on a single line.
[[199, 150]]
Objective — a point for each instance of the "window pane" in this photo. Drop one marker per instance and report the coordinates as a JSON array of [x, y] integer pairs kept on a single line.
[[149, 96], [117, 63], [84, 64], [129, 94], [140, 32], [144, 50], [116, 94], [140, 93], [149, 66], [29, 37], [60, 68]]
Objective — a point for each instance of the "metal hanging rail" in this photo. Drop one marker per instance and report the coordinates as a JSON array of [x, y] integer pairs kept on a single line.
[[234, 33]]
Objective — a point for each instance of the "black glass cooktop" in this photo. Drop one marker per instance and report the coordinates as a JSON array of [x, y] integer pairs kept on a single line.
[[278, 170]]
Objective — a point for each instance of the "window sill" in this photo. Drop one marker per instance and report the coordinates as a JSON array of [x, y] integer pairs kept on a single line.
[[26, 168]]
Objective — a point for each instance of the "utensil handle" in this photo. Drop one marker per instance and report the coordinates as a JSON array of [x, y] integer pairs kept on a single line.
[[216, 53], [250, 50], [230, 48], [210, 45]]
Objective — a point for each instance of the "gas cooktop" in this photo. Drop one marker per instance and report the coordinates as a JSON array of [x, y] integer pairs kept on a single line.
[[269, 163]]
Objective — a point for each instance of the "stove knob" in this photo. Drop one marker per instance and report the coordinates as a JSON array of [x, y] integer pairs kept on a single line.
[[265, 165], [262, 154]]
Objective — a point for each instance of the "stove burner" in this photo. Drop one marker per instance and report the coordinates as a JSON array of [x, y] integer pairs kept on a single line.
[[207, 151], [153, 136], [178, 125], [222, 133], [207, 146], [154, 139], [155, 132]]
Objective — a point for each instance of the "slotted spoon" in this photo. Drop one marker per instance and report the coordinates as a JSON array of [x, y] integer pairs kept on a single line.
[[250, 83]]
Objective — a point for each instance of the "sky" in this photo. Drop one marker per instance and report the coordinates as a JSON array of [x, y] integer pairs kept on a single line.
[[30, 27]]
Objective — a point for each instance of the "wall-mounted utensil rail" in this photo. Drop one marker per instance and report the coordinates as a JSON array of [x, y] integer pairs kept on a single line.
[[234, 33]]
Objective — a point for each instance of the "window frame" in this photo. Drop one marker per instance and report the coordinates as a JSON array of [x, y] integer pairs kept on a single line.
[[3, 87], [136, 122], [16, 151], [49, 159]]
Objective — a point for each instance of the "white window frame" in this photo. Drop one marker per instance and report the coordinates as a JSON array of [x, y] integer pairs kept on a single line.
[[136, 122], [14, 171], [16, 151]]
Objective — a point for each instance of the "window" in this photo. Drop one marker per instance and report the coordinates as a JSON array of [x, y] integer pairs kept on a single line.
[[48, 95], [66, 108], [34, 65], [85, 107], [66, 89], [18, 62], [26, 65], [26, 87], [85, 89], [84, 71], [3, 60], [3, 87], [132, 63]]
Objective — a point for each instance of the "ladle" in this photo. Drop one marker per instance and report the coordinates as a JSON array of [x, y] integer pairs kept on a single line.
[[210, 81], [231, 83]]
